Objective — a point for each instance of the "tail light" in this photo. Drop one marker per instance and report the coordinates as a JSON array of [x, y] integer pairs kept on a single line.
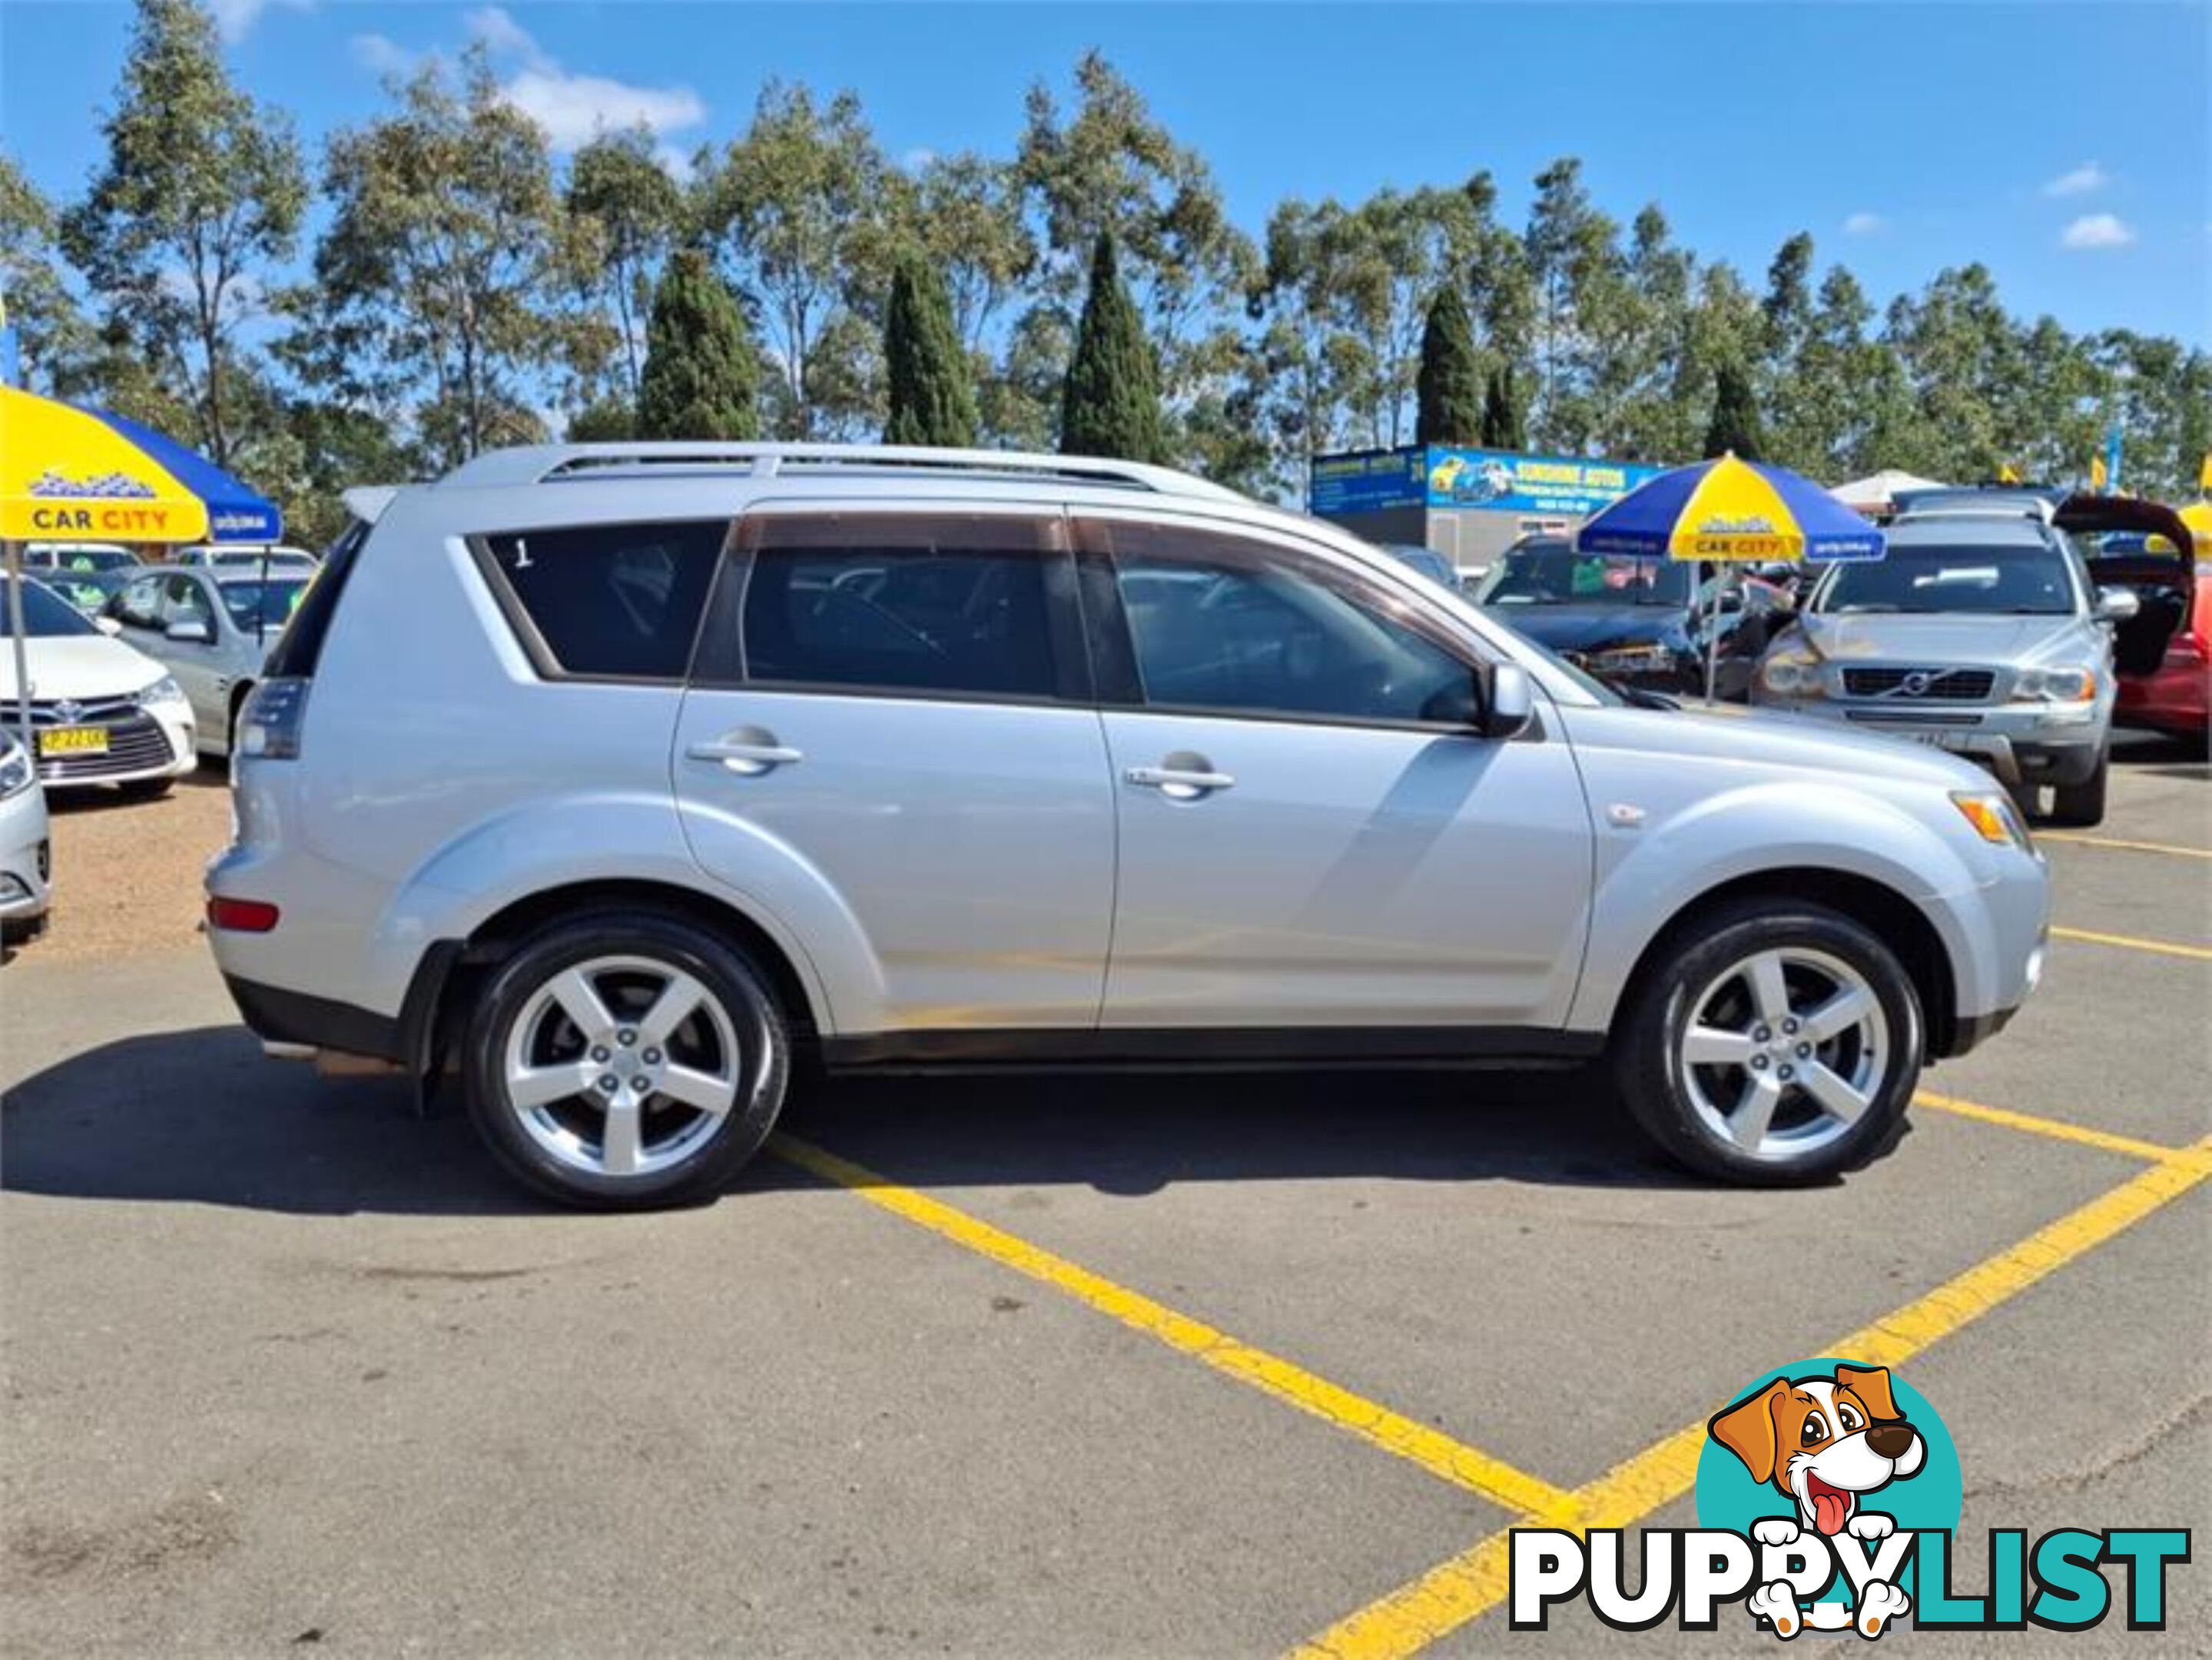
[[269, 725]]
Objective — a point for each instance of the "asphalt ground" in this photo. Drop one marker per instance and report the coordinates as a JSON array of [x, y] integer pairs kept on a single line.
[[1054, 1366]]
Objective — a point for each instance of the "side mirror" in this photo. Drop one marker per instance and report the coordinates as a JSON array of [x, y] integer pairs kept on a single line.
[[1509, 700], [2118, 605], [190, 630], [107, 626]]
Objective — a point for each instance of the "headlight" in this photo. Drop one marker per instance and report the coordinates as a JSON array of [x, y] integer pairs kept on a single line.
[[1994, 817], [15, 770], [2057, 685], [164, 691], [1791, 676], [1629, 659]]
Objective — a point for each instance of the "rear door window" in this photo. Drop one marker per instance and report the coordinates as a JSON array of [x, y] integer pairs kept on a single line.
[[952, 605], [618, 601]]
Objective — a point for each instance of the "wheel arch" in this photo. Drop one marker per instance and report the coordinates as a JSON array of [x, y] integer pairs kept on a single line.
[[445, 981], [1891, 917]]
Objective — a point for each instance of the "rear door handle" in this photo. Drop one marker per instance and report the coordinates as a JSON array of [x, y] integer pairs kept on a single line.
[[749, 758], [1180, 783]]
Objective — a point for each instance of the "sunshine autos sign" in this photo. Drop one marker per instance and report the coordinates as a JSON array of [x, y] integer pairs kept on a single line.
[[1449, 476]]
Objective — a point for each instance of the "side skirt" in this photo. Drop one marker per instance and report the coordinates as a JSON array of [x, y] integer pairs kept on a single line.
[[1240, 1049]]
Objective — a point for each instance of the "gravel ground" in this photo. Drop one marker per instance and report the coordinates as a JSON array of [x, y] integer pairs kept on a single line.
[[127, 873]]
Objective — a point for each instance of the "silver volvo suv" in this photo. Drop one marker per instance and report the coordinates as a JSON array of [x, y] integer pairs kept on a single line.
[[626, 782]]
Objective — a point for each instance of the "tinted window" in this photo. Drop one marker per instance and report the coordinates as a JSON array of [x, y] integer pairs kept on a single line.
[[46, 616], [925, 615], [185, 601], [618, 599], [262, 606], [1249, 631], [135, 609], [301, 645]]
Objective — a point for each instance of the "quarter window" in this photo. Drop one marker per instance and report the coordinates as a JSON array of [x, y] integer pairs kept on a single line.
[[951, 606], [620, 600], [1220, 625]]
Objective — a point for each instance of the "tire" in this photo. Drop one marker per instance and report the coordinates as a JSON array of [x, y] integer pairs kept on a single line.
[[2028, 798], [537, 1074], [2082, 804], [1696, 1111]]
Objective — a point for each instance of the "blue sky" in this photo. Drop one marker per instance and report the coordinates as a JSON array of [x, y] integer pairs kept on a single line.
[[1904, 138]]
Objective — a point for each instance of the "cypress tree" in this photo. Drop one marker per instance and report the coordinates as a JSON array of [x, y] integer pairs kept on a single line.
[[1110, 403], [1736, 417], [932, 399], [1449, 389], [1501, 411], [699, 363]]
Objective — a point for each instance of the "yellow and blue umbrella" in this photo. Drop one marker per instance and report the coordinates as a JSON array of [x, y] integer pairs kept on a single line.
[[73, 474], [1730, 511]]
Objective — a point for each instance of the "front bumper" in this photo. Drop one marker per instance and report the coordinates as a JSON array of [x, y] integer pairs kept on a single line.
[[2020, 743], [157, 742]]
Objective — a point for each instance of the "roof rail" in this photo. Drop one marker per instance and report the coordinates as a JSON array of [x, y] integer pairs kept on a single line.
[[542, 463]]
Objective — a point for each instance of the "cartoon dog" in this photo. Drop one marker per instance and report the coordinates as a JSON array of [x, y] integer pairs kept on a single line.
[[1822, 1441]]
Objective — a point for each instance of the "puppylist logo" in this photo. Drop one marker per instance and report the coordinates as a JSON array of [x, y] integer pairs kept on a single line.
[[1827, 1494]]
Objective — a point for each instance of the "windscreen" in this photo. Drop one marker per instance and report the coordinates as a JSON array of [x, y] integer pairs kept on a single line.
[[1554, 575], [2013, 580], [45, 615]]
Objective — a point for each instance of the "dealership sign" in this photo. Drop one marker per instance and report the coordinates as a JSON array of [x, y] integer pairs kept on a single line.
[[1447, 476]]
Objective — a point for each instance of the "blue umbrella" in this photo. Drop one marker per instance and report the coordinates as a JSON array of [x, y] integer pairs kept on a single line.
[[1731, 510]]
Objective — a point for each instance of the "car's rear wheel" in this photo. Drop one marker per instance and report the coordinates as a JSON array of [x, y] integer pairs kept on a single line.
[[2082, 804], [1779, 1042], [626, 1061]]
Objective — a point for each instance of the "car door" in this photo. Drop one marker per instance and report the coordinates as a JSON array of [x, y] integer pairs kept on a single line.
[[898, 702], [1311, 832], [198, 665]]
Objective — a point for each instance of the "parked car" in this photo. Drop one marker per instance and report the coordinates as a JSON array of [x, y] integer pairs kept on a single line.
[[701, 760], [90, 591], [1982, 635], [212, 628], [82, 559], [2174, 694], [102, 713], [24, 855], [1634, 622], [231, 555]]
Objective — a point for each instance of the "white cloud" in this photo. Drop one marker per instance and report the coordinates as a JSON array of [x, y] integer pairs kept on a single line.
[[382, 55], [1862, 224], [233, 18], [2097, 230], [573, 108], [2079, 181], [497, 27]]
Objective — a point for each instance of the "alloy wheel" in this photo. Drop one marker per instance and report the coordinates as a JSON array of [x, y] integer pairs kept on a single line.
[[622, 1066], [1783, 1052]]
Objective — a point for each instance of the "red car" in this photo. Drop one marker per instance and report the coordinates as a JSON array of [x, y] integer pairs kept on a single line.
[[2175, 691]]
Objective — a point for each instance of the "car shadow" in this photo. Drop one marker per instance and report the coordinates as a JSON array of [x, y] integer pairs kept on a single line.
[[82, 802], [200, 1116]]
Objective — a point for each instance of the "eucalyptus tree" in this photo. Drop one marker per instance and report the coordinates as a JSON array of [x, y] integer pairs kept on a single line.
[[440, 278], [51, 334], [800, 206], [200, 196], [623, 211]]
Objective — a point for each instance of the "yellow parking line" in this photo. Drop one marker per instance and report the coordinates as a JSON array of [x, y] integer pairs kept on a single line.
[[2072, 840], [1433, 1450], [1470, 1584], [2163, 947], [2058, 1128]]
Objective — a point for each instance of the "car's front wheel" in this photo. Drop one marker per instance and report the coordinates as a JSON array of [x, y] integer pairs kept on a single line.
[[1777, 1042], [2082, 806], [626, 1061]]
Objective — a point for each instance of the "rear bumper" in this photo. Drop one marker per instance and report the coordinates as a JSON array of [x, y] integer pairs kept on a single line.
[[277, 1016]]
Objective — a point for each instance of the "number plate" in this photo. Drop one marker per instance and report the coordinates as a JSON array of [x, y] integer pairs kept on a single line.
[[73, 740]]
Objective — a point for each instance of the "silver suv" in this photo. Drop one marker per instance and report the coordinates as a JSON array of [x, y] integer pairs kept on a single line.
[[1977, 632], [619, 779]]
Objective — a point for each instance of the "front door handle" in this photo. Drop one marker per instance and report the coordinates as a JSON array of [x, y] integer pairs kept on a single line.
[[750, 752], [1181, 778]]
